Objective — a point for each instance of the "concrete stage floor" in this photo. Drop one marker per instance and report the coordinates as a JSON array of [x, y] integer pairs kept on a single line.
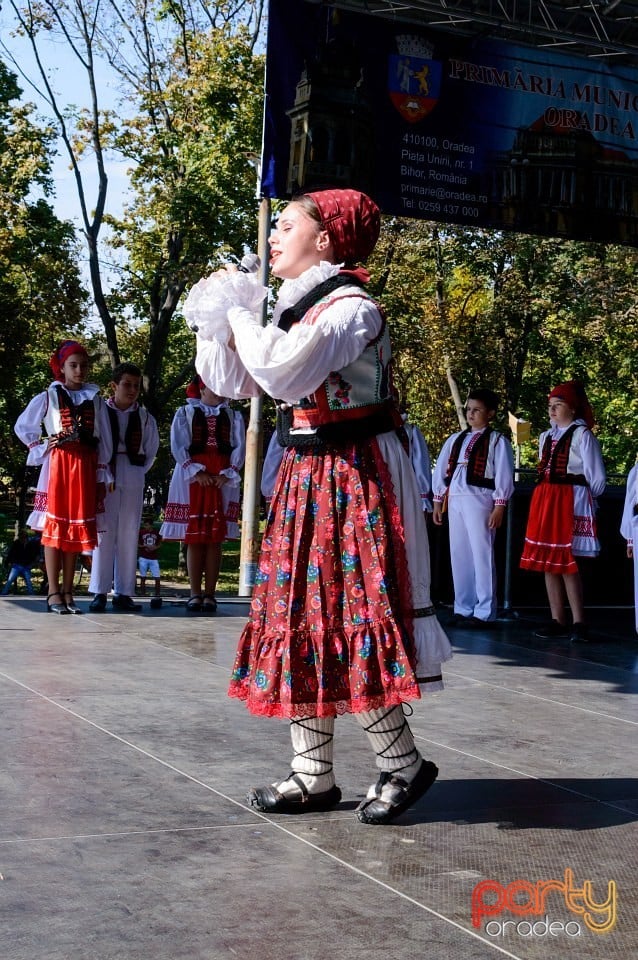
[[125, 834]]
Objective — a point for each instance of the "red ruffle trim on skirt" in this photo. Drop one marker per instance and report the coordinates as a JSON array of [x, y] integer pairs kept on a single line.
[[323, 676]]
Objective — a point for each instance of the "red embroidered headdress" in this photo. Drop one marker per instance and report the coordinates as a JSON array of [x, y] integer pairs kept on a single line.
[[352, 220]]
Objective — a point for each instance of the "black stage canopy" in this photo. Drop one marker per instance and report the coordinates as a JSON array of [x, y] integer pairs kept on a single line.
[[606, 30]]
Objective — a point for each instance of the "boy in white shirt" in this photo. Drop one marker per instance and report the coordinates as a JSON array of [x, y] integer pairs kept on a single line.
[[135, 445], [474, 478]]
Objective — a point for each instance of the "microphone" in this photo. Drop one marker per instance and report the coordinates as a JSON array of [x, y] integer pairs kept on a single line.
[[250, 263]]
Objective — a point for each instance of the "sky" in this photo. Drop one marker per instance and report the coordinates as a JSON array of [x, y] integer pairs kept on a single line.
[[70, 85]]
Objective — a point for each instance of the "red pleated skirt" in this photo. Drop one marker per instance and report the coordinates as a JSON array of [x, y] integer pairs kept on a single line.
[[550, 530], [330, 627], [70, 523], [206, 521]]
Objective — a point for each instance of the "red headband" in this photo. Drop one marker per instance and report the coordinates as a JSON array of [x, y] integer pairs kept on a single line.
[[195, 387], [352, 220], [573, 393], [66, 349]]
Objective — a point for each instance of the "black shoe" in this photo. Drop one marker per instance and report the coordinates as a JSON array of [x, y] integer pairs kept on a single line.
[[580, 633], [70, 603], [378, 811], [98, 603], [270, 800], [194, 604], [552, 631], [475, 623], [121, 602], [459, 620], [60, 608]]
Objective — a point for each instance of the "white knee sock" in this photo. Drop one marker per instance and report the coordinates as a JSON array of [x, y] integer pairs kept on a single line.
[[312, 742], [392, 740]]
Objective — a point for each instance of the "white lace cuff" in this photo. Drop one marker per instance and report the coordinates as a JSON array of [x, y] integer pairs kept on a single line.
[[207, 305]]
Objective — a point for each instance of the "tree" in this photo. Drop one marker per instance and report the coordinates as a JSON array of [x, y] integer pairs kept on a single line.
[[190, 87], [41, 295], [514, 312]]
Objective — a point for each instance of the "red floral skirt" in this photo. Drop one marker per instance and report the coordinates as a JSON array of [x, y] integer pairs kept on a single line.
[[206, 521], [329, 630], [550, 530], [70, 524]]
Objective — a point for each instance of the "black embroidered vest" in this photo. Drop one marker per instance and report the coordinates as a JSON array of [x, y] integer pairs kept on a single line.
[[476, 460], [132, 436], [78, 422], [553, 465], [199, 433]]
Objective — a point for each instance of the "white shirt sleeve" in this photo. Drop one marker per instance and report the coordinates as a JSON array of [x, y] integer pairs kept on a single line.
[[593, 464], [151, 441], [104, 445], [28, 428], [503, 470], [270, 469], [181, 439], [293, 365], [238, 453], [420, 457], [627, 522], [440, 469], [222, 370]]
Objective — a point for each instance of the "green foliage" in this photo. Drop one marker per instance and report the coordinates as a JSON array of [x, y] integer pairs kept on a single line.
[[41, 296], [516, 313], [191, 140]]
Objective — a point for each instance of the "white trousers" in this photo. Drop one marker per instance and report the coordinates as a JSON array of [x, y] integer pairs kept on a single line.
[[472, 556], [115, 558]]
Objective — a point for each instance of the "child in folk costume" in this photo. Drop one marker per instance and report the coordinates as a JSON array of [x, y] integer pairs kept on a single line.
[[135, 443], [74, 459], [341, 619], [629, 526], [474, 477], [208, 442], [562, 522]]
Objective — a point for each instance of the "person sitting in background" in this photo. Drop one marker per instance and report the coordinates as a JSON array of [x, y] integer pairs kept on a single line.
[[21, 557]]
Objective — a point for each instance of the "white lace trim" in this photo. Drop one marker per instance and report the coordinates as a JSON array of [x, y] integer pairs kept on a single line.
[[292, 291]]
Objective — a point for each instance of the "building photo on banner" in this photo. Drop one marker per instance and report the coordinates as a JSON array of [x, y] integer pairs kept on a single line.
[[435, 126]]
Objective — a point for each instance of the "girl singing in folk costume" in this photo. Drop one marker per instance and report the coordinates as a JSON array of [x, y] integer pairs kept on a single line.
[[562, 518], [74, 456], [208, 444], [341, 618]]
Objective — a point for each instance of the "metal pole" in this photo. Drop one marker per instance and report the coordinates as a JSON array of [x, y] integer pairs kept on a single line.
[[508, 613], [250, 539]]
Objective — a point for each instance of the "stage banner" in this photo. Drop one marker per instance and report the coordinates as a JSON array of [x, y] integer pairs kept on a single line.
[[440, 127]]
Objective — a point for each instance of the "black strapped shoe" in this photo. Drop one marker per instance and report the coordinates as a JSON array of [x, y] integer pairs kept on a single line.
[[270, 800]]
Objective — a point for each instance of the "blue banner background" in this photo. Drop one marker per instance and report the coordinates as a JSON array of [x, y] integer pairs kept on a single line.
[[458, 130]]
